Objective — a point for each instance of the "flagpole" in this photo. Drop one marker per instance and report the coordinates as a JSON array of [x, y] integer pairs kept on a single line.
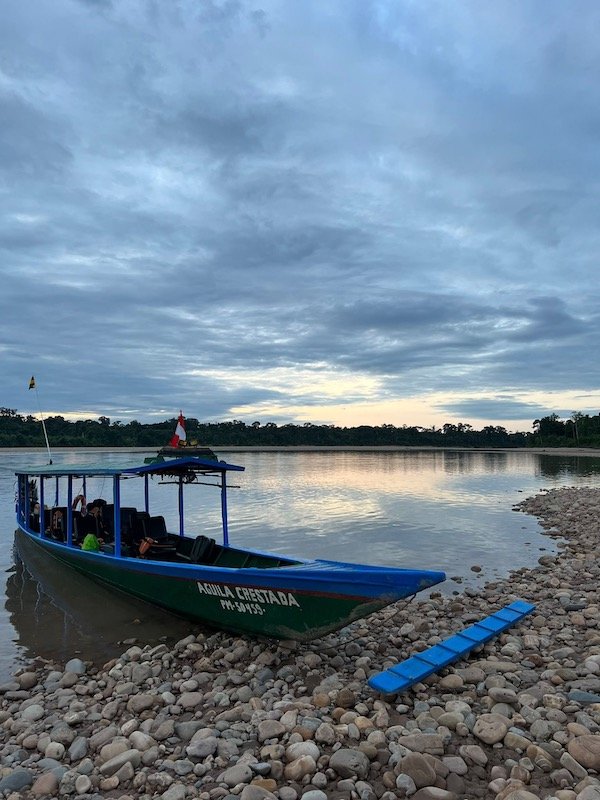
[[42, 419]]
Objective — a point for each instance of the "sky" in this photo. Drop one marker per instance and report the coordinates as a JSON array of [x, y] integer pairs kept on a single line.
[[345, 212]]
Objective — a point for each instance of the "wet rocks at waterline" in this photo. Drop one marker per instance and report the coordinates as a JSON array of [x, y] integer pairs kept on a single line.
[[224, 717]]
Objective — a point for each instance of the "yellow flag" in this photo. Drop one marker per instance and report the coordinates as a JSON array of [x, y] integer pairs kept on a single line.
[[32, 382]]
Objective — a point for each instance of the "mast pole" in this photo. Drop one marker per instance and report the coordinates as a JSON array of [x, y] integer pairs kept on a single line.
[[33, 385]]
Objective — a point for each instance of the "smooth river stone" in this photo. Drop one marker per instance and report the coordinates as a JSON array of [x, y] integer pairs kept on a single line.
[[46, 785], [297, 769], [491, 728], [418, 768], [190, 700], [347, 762], [114, 765], [586, 751], [33, 712]]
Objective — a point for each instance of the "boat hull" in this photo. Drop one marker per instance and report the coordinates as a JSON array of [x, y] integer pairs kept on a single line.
[[187, 452], [301, 602]]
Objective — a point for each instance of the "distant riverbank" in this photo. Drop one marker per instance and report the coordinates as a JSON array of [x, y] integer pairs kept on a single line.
[[592, 452]]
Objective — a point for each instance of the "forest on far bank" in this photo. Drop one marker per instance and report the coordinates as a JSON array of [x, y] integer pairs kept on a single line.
[[16, 430]]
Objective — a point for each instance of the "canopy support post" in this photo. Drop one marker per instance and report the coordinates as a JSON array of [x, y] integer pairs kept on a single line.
[[70, 511], [224, 509], [42, 513], [26, 511], [20, 498], [117, 517], [146, 494], [181, 525]]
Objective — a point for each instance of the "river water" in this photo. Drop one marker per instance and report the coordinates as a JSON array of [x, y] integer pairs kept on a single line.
[[433, 509]]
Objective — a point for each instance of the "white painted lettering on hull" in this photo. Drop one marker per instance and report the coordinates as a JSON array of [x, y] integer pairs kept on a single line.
[[247, 599]]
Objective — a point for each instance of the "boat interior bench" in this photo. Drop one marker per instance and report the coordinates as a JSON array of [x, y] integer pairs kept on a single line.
[[230, 557], [136, 526], [204, 550]]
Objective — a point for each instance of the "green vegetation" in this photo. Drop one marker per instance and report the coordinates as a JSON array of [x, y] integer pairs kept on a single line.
[[581, 430], [19, 431], [16, 430]]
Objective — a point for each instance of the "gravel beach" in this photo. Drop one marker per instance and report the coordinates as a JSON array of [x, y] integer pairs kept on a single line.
[[221, 716]]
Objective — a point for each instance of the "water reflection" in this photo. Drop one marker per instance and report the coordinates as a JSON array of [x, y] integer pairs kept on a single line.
[[57, 613], [421, 473], [564, 466]]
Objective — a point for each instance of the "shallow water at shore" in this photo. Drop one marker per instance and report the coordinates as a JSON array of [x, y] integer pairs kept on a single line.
[[431, 509]]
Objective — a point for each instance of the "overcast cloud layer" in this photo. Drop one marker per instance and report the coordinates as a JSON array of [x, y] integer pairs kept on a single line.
[[348, 212]]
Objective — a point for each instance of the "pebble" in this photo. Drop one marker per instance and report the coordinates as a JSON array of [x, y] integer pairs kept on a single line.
[[175, 792], [76, 666], [46, 784], [16, 780]]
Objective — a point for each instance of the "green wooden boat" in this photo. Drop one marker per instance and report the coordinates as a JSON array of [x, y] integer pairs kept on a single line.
[[227, 587]]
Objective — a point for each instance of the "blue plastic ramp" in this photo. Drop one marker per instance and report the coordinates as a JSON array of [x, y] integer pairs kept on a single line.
[[414, 669]]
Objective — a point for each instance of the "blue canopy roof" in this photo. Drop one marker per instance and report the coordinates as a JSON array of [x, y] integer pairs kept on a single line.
[[171, 466]]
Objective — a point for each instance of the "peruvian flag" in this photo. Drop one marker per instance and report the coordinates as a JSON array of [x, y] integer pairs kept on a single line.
[[179, 435]]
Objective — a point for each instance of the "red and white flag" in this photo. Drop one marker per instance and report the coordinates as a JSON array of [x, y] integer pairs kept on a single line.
[[179, 435]]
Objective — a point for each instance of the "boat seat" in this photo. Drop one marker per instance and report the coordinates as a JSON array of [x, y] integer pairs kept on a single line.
[[139, 529], [34, 522], [228, 557], [59, 533], [201, 550], [262, 562], [47, 518], [162, 545], [108, 517], [163, 551], [84, 525], [77, 527], [156, 528], [128, 521], [128, 518]]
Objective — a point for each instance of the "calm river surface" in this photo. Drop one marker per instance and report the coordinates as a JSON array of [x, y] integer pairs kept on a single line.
[[448, 510]]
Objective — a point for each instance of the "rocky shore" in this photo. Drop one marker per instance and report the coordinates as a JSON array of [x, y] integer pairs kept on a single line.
[[222, 717]]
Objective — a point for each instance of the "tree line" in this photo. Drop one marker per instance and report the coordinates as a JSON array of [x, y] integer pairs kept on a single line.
[[580, 430], [17, 430]]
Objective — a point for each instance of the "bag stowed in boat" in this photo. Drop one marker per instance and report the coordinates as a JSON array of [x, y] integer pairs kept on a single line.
[[91, 543], [145, 545]]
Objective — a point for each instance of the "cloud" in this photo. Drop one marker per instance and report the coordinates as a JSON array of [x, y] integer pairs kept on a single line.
[[198, 199], [499, 408]]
